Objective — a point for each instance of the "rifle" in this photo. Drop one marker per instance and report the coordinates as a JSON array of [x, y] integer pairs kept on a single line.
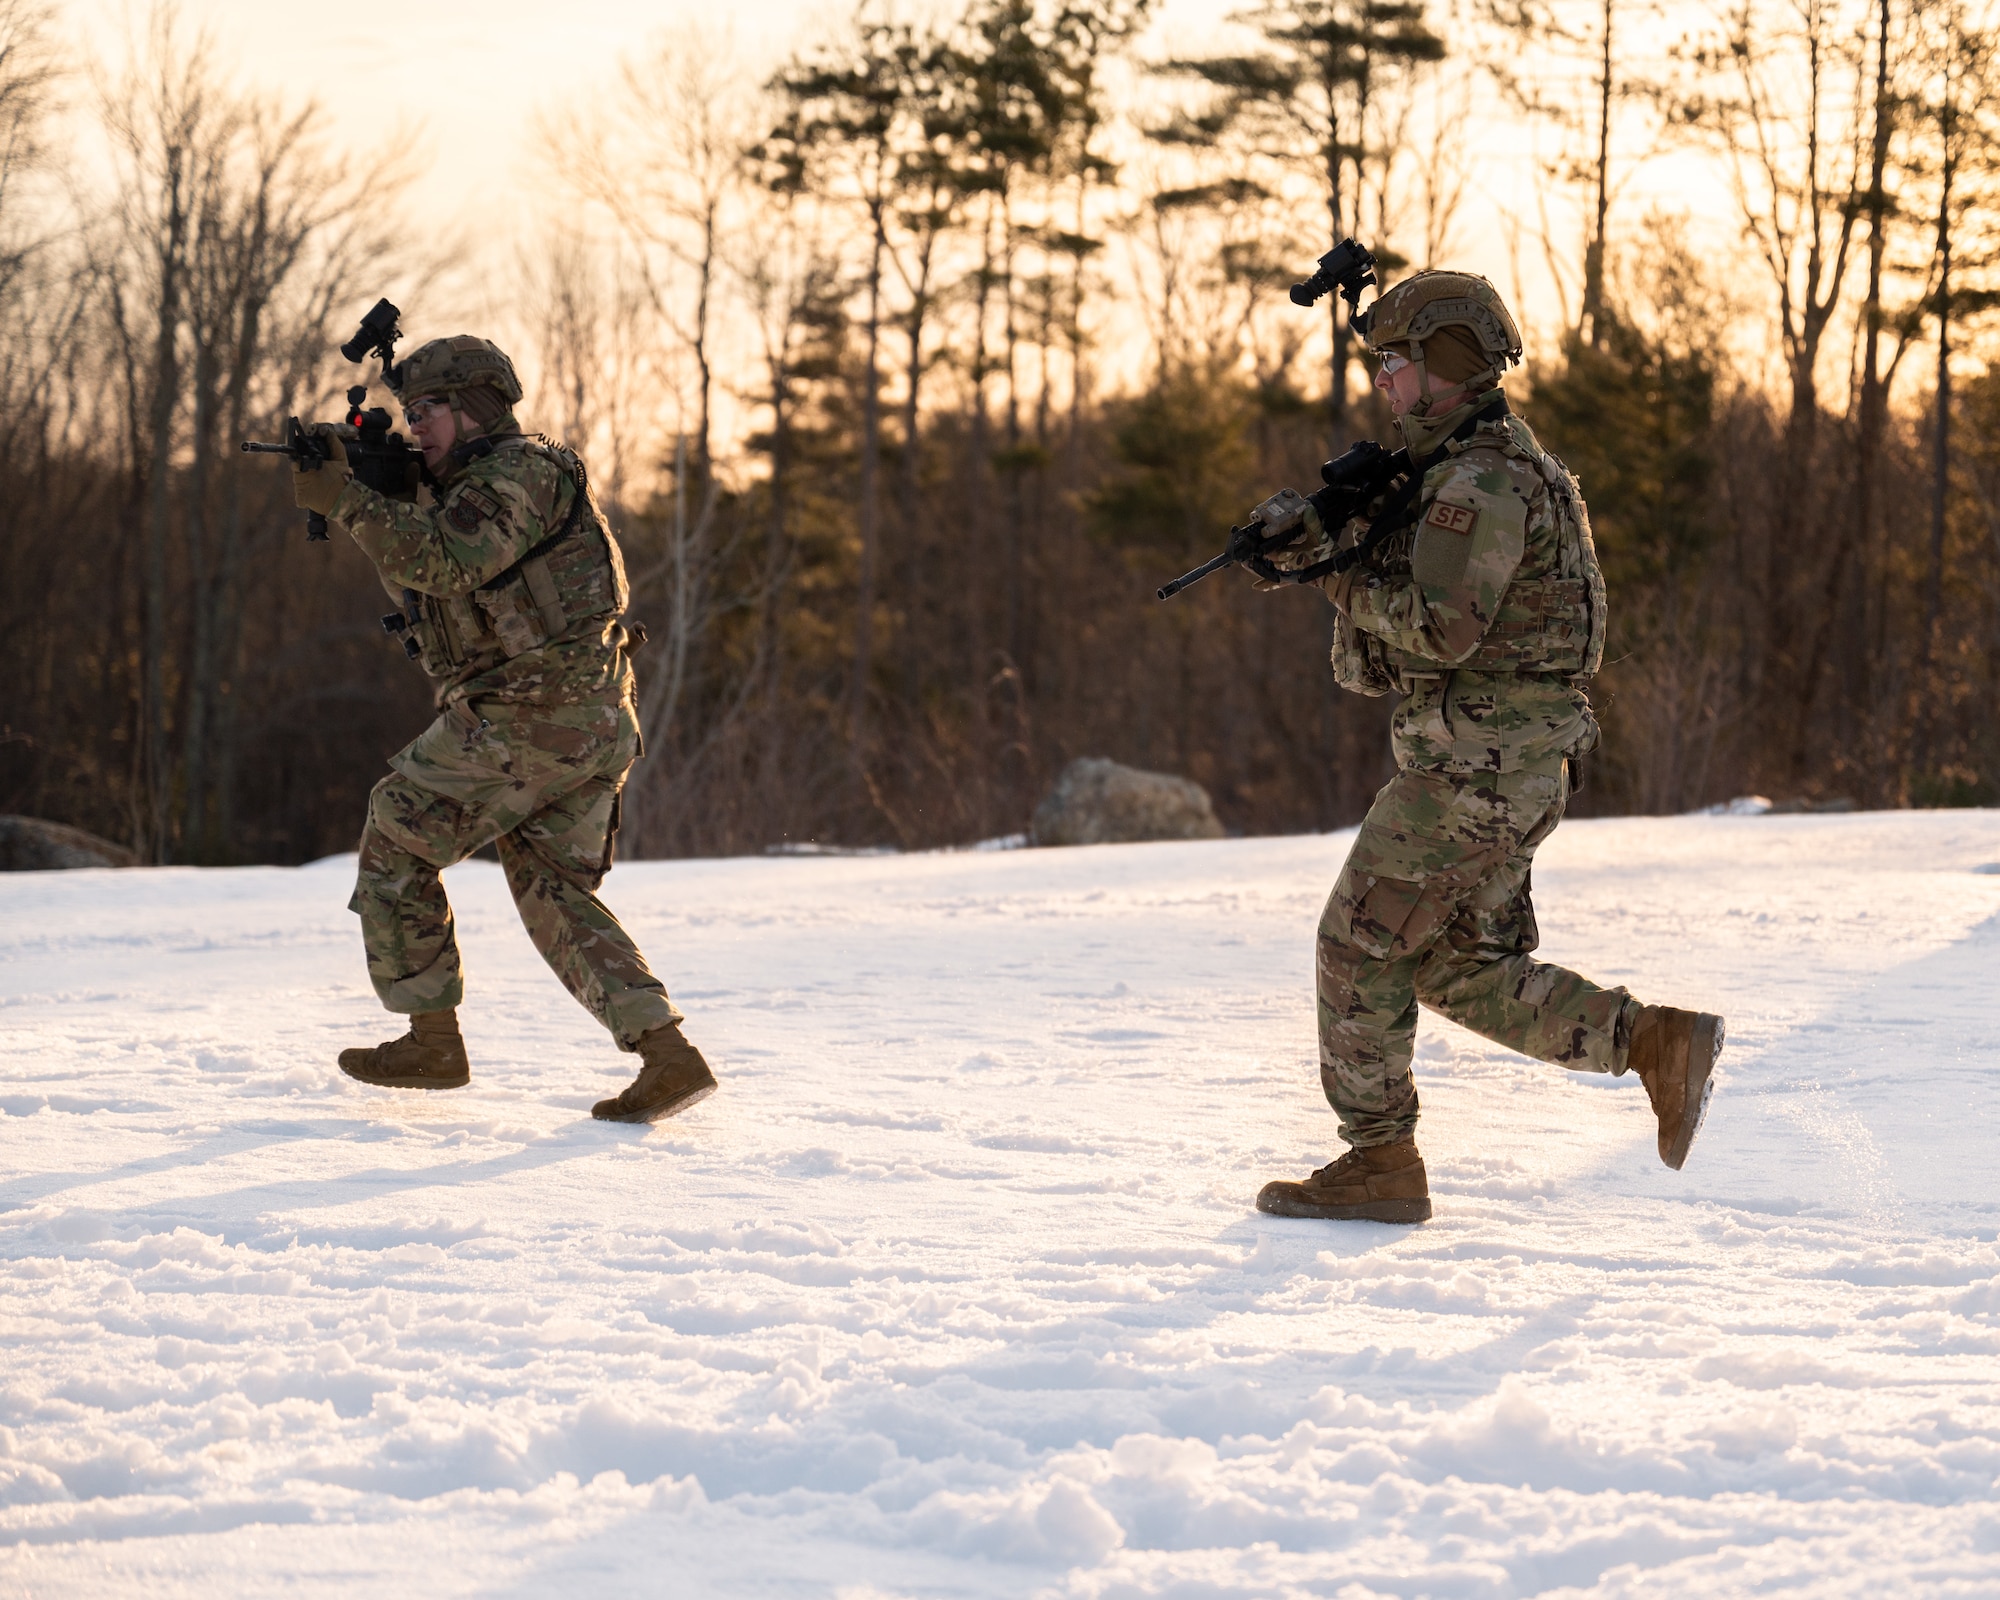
[[1352, 481], [381, 458]]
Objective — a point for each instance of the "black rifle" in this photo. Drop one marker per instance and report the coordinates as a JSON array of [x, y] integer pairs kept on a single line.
[[1352, 483], [1357, 477], [381, 458]]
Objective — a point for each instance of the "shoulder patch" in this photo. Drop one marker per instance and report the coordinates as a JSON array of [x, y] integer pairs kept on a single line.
[[1450, 518], [470, 507]]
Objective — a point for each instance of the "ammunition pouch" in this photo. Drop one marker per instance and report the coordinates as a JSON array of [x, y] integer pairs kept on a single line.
[[1544, 625], [1360, 660]]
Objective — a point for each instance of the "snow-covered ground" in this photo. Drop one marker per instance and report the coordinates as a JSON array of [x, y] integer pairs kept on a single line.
[[956, 1288]]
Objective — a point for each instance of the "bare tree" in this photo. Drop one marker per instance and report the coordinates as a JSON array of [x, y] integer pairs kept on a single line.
[[1444, 165], [665, 157], [231, 230], [667, 160], [1315, 98], [1560, 61], [42, 305], [602, 373], [168, 124], [843, 133], [29, 76], [1786, 102], [1960, 110]]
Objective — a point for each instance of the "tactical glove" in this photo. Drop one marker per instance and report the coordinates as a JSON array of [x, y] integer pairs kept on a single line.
[[1309, 544], [315, 488]]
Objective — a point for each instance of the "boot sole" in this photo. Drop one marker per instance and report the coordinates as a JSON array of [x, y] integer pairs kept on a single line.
[[1704, 1046], [666, 1108], [1401, 1211], [408, 1083]]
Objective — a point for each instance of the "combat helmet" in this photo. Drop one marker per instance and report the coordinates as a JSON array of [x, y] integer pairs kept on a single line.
[[448, 366], [1426, 301]]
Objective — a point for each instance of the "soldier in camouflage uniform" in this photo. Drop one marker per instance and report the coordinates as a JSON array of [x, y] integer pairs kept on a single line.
[[1482, 607], [509, 583]]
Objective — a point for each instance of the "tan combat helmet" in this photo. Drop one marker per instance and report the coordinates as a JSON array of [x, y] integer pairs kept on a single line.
[[1421, 304], [446, 366]]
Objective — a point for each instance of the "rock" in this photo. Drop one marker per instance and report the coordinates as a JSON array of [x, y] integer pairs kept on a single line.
[[1100, 802], [1755, 805], [28, 844]]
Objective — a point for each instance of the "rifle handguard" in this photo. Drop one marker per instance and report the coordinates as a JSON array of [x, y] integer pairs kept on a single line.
[[1352, 481]]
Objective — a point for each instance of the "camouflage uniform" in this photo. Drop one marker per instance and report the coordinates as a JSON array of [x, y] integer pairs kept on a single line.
[[511, 584], [1482, 612]]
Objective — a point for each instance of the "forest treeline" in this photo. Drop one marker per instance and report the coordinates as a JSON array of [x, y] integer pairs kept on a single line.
[[909, 371]]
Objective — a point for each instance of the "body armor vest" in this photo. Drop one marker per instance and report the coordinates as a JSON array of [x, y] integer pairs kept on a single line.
[[569, 586], [1552, 616]]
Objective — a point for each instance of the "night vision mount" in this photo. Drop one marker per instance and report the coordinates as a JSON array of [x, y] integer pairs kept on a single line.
[[377, 336], [1348, 267]]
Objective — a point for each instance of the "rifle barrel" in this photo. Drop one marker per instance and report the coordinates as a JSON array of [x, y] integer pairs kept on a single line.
[[1168, 591], [253, 447]]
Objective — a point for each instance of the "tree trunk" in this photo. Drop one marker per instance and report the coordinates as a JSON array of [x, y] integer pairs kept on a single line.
[[912, 463], [871, 436], [1336, 390], [1017, 532], [1860, 533], [977, 489], [771, 639], [194, 733], [169, 252], [229, 580], [1940, 457], [705, 377], [1593, 255]]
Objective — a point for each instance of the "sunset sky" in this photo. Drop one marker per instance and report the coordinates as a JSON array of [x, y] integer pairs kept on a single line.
[[466, 87], [475, 77]]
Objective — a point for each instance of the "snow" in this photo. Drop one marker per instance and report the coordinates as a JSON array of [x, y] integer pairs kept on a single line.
[[956, 1288]]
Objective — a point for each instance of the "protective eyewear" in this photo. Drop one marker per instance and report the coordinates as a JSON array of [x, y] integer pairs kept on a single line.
[[418, 412], [1392, 363]]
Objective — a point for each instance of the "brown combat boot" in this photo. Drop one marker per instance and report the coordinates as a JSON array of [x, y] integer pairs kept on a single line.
[[1674, 1052], [1383, 1183], [673, 1078], [430, 1056]]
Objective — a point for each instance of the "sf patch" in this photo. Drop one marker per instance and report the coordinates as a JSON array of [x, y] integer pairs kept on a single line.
[[1450, 518], [1444, 545], [470, 507]]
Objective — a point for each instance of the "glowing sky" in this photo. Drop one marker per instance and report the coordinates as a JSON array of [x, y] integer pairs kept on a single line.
[[472, 76], [465, 84]]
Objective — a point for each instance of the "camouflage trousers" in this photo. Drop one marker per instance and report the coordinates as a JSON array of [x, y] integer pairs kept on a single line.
[[543, 785], [1433, 906]]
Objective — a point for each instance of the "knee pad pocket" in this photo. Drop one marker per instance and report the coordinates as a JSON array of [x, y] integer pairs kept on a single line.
[[430, 826], [1388, 918]]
